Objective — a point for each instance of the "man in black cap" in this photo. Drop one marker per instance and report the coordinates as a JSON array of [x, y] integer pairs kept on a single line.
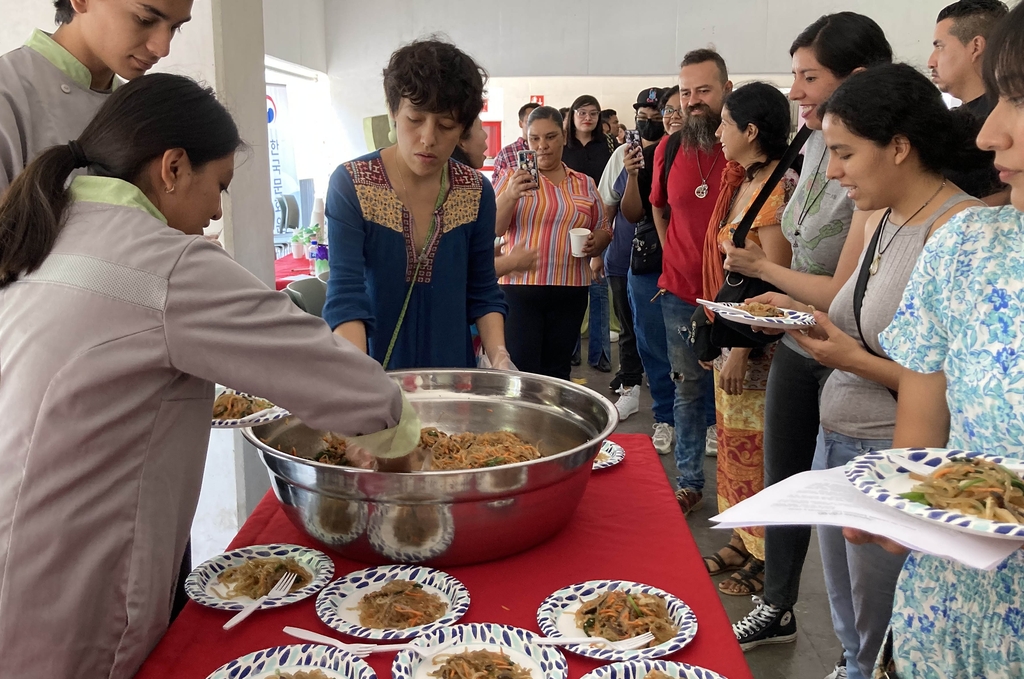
[[617, 256]]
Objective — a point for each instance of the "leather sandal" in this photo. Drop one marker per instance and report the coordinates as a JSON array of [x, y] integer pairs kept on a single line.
[[719, 564], [750, 577]]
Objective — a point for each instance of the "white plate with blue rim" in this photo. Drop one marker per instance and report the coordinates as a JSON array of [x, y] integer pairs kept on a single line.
[[202, 586], [337, 603], [611, 454], [638, 669], [271, 663], [542, 662], [557, 618], [879, 476], [263, 416], [790, 319]]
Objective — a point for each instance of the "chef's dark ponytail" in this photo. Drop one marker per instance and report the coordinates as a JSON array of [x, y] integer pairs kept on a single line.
[[137, 124]]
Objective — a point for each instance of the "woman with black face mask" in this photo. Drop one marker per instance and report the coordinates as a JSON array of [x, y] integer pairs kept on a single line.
[[616, 263]]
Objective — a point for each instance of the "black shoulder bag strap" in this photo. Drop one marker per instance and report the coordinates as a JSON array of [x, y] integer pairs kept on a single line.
[[863, 275], [739, 237]]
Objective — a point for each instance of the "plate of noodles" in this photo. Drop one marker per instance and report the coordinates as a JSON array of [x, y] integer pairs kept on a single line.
[[616, 610], [611, 454], [233, 409], [307, 661], [760, 315], [651, 669], [968, 491], [483, 651], [392, 602], [231, 580]]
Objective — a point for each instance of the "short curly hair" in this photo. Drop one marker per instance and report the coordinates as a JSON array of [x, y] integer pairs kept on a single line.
[[436, 76], [64, 12]]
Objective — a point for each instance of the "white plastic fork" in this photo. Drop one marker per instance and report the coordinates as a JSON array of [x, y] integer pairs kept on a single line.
[[278, 591], [363, 650], [631, 644]]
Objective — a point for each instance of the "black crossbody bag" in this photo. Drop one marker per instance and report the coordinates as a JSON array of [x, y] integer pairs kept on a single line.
[[862, 285], [707, 337]]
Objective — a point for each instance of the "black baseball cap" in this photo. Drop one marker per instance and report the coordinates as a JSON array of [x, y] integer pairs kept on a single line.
[[648, 98]]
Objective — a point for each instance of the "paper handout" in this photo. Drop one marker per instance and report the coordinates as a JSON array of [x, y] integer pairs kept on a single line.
[[827, 497]]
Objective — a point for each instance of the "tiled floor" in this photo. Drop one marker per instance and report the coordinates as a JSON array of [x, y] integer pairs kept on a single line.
[[816, 649]]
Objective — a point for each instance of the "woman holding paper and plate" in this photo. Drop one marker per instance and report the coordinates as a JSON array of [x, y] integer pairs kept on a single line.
[[546, 306], [116, 319], [958, 335], [890, 137]]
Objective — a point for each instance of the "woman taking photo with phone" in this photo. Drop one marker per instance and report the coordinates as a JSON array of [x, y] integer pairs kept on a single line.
[[546, 306], [116, 320]]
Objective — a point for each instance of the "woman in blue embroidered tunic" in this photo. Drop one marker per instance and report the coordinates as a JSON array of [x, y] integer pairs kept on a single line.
[[412, 231], [959, 334]]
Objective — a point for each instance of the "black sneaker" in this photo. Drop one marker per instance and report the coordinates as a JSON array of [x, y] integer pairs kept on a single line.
[[576, 358], [766, 624], [615, 383]]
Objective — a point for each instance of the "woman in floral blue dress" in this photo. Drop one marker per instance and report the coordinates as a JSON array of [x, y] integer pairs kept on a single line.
[[960, 330]]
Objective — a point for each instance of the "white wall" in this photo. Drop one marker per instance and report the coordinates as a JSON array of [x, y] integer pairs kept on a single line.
[[580, 38], [294, 31], [19, 17]]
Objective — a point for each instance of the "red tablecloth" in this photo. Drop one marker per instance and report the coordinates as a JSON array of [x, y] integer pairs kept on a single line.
[[628, 526], [288, 266]]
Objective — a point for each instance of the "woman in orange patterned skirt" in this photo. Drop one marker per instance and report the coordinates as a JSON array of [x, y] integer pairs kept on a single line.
[[754, 135]]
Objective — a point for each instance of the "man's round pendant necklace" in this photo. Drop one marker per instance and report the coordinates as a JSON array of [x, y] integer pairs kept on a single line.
[[702, 190]]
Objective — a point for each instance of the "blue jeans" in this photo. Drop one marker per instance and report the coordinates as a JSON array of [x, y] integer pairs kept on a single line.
[[861, 579], [599, 331], [694, 406], [649, 326]]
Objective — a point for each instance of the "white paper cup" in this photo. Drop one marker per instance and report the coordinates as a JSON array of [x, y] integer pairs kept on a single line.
[[578, 239]]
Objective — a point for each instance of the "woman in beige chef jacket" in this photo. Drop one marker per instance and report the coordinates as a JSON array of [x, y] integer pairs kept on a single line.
[[116, 318]]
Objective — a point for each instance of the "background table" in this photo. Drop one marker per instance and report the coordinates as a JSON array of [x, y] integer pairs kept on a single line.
[[628, 526], [288, 269]]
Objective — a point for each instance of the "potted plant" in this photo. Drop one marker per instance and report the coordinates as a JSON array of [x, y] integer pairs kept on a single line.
[[298, 246]]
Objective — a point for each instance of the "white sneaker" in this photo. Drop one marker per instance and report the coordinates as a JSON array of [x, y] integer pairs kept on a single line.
[[838, 673], [711, 442], [664, 438], [629, 401], [613, 336]]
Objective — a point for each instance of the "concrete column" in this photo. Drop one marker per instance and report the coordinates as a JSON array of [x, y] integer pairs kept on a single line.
[[223, 47]]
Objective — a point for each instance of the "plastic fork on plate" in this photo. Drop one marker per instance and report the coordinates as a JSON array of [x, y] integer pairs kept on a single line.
[[363, 650], [624, 645], [279, 590]]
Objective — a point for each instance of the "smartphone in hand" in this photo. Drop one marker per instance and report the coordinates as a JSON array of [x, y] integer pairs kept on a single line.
[[528, 161], [633, 141]]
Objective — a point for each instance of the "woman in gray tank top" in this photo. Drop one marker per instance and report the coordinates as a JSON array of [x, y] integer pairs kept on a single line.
[[890, 136]]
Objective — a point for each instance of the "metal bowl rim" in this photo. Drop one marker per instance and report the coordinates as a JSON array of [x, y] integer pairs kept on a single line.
[[613, 422]]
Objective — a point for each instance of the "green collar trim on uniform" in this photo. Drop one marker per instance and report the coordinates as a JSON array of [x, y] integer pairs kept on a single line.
[[112, 191], [45, 45]]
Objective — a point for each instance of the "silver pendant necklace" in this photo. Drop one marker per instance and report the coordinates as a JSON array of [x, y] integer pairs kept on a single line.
[[877, 260], [702, 190]]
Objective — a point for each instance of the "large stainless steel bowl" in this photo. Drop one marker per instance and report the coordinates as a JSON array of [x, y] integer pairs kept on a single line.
[[448, 517]]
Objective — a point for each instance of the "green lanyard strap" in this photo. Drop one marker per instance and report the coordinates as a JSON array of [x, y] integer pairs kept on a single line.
[[419, 263]]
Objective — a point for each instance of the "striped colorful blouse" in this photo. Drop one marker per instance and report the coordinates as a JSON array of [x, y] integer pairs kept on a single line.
[[542, 221]]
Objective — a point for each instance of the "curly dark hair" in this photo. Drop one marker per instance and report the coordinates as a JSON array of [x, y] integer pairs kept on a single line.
[[436, 76], [64, 12]]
